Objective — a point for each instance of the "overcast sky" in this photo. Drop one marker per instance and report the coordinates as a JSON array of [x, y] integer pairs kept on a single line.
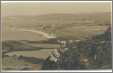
[[38, 8]]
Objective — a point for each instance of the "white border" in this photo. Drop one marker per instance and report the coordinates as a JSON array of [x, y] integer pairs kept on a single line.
[[109, 70], [63, 71], [49, 1]]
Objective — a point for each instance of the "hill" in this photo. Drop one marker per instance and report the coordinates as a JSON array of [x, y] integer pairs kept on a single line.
[[62, 25]]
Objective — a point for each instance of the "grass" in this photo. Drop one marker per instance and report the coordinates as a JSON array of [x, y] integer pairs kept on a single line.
[[41, 54], [12, 63], [9, 34], [31, 60], [80, 32], [62, 25]]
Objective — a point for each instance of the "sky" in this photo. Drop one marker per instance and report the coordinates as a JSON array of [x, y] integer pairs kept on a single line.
[[38, 8]]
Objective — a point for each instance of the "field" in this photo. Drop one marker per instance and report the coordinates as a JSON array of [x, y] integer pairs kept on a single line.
[[27, 40], [60, 25], [40, 54]]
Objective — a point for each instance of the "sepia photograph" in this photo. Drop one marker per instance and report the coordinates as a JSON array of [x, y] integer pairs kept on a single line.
[[56, 35]]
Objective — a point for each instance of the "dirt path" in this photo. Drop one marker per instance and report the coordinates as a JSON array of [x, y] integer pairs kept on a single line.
[[35, 31]]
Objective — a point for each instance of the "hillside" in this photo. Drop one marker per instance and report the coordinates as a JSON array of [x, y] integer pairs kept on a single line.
[[93, 53], [61, 25]]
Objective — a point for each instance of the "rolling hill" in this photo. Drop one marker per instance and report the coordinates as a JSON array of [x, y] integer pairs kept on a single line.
[[61, 25]]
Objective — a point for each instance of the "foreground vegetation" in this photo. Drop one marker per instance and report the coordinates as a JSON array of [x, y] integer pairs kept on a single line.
[[93, 53]]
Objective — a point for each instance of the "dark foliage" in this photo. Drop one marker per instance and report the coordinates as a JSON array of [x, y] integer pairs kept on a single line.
[[97, 51]]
